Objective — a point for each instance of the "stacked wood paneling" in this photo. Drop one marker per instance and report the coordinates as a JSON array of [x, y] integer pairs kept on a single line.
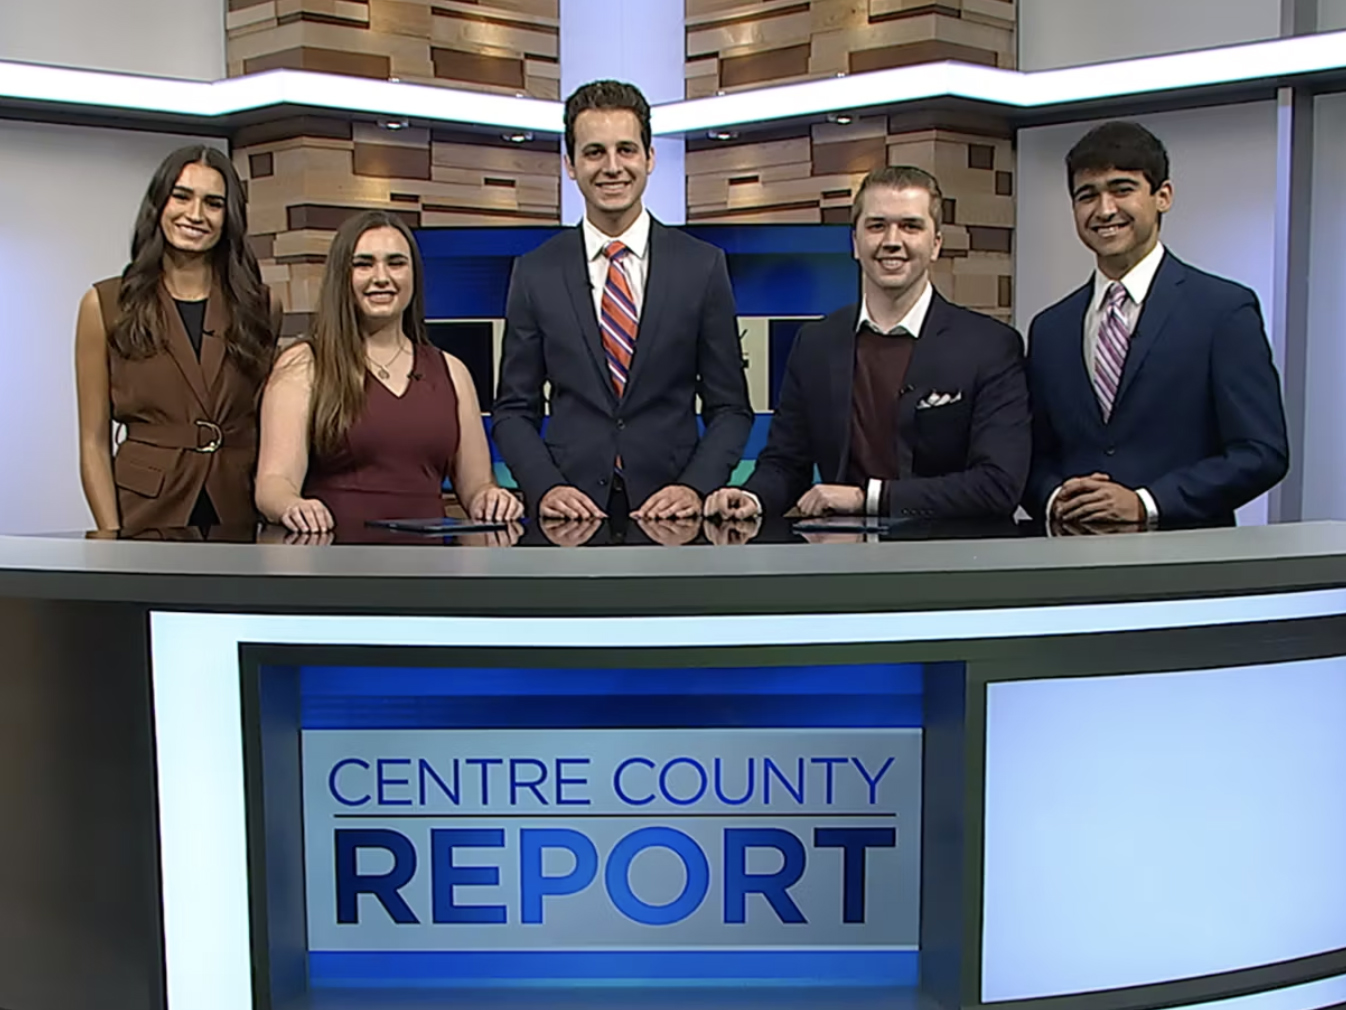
[[808, 174], [737, 44], [307, 174]]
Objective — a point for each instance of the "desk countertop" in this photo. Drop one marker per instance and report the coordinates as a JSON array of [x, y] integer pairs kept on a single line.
[[759, 578]]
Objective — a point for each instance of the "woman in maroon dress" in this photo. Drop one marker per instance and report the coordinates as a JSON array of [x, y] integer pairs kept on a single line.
[[364, 418]]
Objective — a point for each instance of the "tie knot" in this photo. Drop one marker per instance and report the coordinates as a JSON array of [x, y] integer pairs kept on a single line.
[[1117, 295], [615, 251]]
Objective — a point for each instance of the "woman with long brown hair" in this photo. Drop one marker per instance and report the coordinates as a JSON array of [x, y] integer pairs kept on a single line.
[[364, 418], [176, 349]]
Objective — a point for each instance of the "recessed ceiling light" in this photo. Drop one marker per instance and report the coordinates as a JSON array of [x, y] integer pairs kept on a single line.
[[393, 124], [518, 137], [722, 134], [840, 118]]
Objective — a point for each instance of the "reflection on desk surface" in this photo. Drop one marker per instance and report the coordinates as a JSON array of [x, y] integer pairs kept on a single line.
[[614, 532]]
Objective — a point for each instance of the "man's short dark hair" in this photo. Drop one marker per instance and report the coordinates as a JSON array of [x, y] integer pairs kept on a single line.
[[901, 177], [1120, 145], [607, 95]]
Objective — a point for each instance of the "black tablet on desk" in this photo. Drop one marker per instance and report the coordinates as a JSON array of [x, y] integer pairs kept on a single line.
[[438, 527], [844, 524]]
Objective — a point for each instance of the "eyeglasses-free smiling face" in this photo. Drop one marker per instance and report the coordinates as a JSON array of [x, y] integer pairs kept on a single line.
[[1117, 216], [382, 277], [611, 166], [193, 218], [895, 237]]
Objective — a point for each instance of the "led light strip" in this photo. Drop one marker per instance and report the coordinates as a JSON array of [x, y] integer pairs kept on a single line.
[[97, 89], [1258, 61]]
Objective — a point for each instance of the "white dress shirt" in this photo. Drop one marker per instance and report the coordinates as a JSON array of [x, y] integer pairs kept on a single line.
[[636, 265], [911, 322], [1137, 282]]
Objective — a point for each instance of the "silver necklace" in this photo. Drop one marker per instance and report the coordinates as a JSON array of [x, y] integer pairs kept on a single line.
[[381, 370]]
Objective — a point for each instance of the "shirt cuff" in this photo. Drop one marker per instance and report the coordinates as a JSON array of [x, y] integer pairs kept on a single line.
[[873, 493], [1151, 508], [1051, 500]]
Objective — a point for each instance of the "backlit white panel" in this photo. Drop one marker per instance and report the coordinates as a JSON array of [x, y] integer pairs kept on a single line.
[[199, 750], [1327, 992], [1153, 827]]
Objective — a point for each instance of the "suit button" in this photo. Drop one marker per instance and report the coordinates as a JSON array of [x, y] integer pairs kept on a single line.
[[620, 424], [602, 482], [1110, 451]]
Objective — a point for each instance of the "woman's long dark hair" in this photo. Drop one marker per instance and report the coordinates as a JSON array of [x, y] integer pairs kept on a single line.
[[335, 337], [139, 331]]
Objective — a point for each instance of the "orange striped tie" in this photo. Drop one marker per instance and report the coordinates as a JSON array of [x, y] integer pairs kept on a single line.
[[619, 318]]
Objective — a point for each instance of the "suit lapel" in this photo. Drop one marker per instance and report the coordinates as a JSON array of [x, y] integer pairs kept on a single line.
[[212, 338], [918, 382], [657, 274], [575, 274], [840, 390], [1159, 303], [180, 347], [1074, 366]]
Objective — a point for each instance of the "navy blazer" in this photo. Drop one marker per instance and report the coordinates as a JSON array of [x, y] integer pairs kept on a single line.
[[687, 346], [966, 459], [1198, 419]]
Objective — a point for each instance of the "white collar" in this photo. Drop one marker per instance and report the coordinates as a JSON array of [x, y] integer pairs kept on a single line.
[[636, 238], [1137, 280], [911, 322]]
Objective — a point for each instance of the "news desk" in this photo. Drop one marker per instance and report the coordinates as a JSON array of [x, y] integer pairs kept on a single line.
[[1090, 773]]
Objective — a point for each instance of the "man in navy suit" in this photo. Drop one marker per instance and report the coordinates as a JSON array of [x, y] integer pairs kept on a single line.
[[909, 406], [1155, 398], [629, 322]]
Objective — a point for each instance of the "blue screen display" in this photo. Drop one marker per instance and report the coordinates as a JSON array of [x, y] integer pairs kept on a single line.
[[776, 270], [370, 730], [438, 698]]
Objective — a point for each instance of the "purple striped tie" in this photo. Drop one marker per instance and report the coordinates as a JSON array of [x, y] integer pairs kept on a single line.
[[1114, 337]]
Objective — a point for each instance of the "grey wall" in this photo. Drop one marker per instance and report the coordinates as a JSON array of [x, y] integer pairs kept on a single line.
[[642, 43], [167, 38], [68, 198], [1331, 15], [1223, 218], [1061, 33], [1324, 462]]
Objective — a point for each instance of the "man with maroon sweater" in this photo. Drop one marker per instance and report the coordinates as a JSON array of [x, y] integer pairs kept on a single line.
[[908, 406]]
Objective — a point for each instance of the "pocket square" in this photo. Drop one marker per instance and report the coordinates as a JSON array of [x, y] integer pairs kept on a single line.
[[936, 399]]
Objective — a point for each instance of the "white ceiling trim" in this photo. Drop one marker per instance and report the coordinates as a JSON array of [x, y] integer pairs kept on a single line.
[[1259, 61], [1256, 61]]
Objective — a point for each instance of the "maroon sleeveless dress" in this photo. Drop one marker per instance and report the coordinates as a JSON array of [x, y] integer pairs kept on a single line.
[[396, 455]]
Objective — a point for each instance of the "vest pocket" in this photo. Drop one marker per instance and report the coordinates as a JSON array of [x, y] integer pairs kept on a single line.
[[136, 475]]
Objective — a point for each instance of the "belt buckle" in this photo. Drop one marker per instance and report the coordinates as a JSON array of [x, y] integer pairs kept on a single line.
[[216, 436]]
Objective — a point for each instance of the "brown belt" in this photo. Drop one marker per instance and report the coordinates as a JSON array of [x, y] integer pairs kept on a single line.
[[198, 436]]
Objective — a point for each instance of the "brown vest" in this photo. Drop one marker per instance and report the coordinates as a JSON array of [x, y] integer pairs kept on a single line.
[[190, 424]]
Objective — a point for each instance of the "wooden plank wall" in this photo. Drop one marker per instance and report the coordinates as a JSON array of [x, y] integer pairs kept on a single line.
[[807, 175], [738, 44], [505, 46], [307, 174]]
